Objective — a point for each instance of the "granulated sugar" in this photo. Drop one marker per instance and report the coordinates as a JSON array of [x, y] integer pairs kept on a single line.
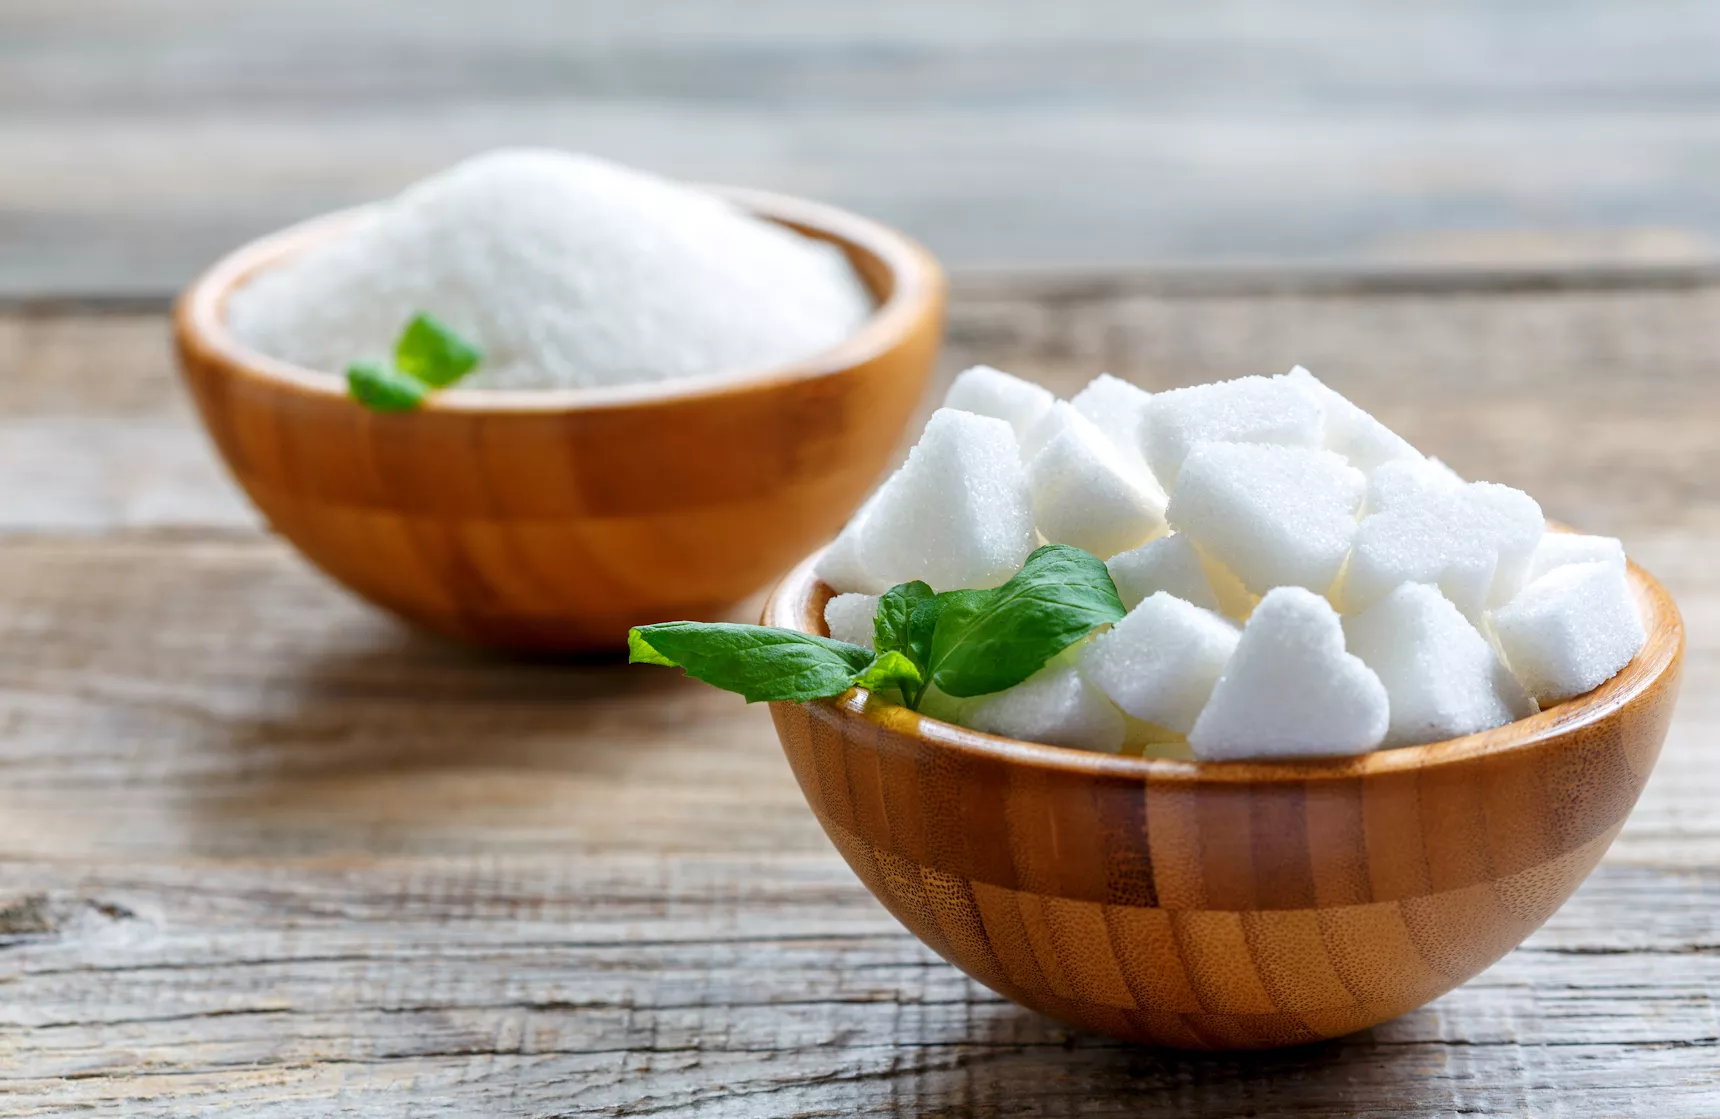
[[568, 272]]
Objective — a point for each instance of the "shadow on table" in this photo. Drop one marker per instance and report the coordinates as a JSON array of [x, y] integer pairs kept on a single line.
[[381, 738], [1026, 1064]]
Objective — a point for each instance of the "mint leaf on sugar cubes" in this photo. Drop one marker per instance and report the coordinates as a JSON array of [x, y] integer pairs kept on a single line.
[[758, 662], [1283, 577], [427, 356], [967, 642]]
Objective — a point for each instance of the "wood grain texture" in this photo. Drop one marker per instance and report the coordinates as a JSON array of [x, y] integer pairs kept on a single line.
[[555, 520], [1226, 906], [267, 851], [145, 137]]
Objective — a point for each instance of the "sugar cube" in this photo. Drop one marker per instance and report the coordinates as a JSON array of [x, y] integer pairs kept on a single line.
[[1473, 542], [1290, 689], [1055, 705], [1570, 630], [1403, 482], [1117, 407], [957, 514], [1442, 677], [1170, 564], [1364, 441], [1557, 549], [1246, 410], [839, 568], [1276, 516], [985, 391], [1087, 495], [1160, 662], [849, 618]]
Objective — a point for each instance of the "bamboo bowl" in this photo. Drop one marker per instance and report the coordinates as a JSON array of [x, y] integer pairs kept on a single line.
[[554, 520], [1226, 905]]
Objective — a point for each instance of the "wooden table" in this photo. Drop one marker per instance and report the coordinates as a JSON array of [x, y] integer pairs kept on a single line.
[[265, 851]]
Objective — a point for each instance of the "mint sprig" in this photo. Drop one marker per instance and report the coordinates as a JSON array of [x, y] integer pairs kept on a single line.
[[967, 643], [428, 355]]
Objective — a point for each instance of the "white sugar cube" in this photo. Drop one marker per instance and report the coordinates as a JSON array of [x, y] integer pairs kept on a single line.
[[1442, 676], [1160, 662], [1364, 441], [849, 618], [1055, 705], [839, 568], [1246, 410], [1473, 542], [957, 514], [1088, 496], [1290, 689], [985, 391], [1570, 630], [1117, 408], [1560, 549], [1168, 564], [1276, 516], [1403, 482], [1513, 521]]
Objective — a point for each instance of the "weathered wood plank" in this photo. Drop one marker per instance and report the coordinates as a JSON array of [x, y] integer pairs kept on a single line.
[[1600, 402], [264, 850], [144, 138], [758, 985]]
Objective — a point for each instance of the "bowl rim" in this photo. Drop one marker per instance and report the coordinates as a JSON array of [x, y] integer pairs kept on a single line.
[[790, 600], [918, 285]]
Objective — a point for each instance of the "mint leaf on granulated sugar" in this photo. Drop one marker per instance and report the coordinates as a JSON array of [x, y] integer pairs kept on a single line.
[[432, 352], [986, 641], [759, 662], [382, 389]]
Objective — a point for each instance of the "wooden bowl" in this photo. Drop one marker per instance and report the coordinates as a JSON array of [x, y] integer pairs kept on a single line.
[[1226, 905], [554, 520]]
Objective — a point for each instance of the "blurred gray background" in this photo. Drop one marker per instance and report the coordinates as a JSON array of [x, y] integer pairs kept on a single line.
[[141, 138]]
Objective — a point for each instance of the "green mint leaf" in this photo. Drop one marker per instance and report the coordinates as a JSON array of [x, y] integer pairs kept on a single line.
[[890, 627], [639, 651], [382, 389], [759, 662], [431, 352], [986, 641], [892, 670]]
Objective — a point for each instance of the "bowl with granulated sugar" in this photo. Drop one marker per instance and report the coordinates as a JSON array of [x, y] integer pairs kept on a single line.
[[682, 391]]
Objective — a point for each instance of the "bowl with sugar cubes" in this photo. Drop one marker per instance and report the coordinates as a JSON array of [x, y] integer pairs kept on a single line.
[[539, 398], [1216, 718]]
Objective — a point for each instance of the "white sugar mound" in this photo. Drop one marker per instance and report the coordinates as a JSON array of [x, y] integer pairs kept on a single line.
[[568, 272], [985, 391], [1570, 630], [1290, 689], [1160, 662], [1276, 516], [849, 618], [1443, 678], [1246, 410], [1168, 564], [957, 514], [1055, 705], [1087, 495]]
